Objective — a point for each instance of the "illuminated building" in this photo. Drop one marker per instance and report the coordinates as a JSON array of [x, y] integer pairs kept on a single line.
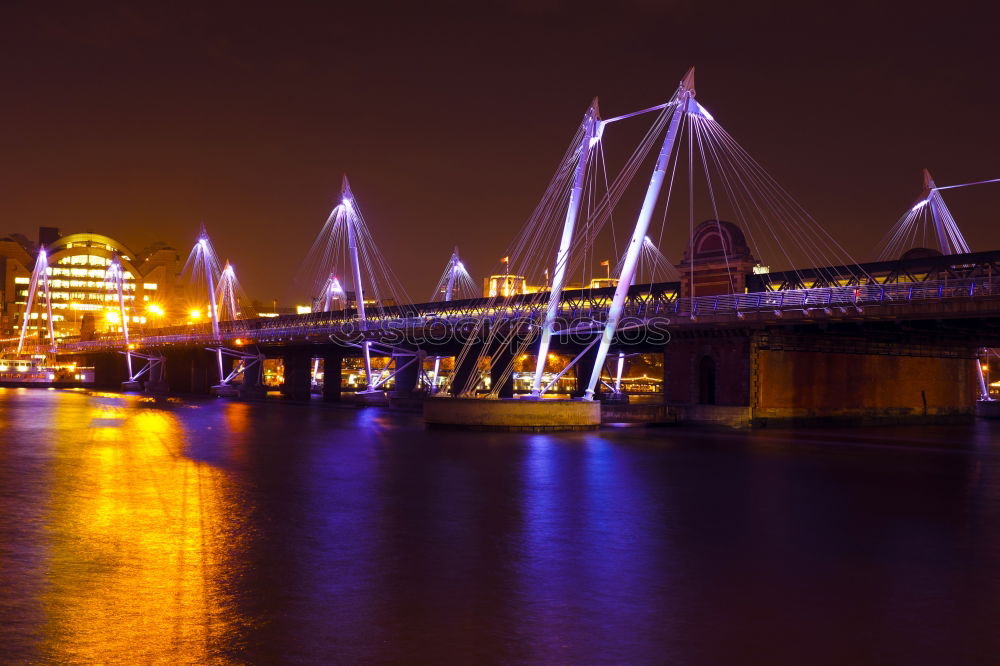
[[602, 283], [16, 262], [511, 285], [508, 285], [81, 302]]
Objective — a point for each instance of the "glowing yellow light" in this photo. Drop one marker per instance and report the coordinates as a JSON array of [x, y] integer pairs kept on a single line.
[[154, 309], [302, 309], [195, 314], [238, 342], [112, 317]]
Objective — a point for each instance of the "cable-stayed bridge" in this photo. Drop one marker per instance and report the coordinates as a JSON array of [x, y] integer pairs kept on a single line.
[[740, 343]]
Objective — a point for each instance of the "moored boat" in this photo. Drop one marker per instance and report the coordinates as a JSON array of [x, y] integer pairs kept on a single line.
[[40, 372]]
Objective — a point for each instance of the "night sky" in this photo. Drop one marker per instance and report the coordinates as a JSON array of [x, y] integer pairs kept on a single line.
[[140, 122]]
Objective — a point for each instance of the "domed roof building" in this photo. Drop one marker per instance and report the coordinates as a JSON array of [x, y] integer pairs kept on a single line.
[[81, 302], [718, 260]]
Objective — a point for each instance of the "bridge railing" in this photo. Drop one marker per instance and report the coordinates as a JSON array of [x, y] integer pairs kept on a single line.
[[831, 297], [321, 325]]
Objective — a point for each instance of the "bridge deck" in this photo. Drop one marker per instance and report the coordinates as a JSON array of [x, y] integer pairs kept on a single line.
[[648, 304]]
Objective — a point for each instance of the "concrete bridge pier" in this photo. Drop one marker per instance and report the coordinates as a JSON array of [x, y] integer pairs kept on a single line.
[[407, 378], [189, 371], [333, 364], [298, 375], [464, 369], [252, 385], [584, 367], [204, 372], [156, 380], [500, 361], [175, 371], [815, 377], [110, 370]]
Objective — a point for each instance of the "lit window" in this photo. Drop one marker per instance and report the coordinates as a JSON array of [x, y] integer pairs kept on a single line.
[[149, 286], [22, 280]]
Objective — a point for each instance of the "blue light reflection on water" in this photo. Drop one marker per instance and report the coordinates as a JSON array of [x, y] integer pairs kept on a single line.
[[273, 532]]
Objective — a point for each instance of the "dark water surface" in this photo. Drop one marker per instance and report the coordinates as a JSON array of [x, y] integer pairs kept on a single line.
[[139, 531]]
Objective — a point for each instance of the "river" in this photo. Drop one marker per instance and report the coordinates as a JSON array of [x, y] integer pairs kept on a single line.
[[137, 530]]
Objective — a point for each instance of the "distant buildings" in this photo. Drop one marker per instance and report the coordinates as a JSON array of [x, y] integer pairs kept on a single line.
[[512, 285], [81, 303]]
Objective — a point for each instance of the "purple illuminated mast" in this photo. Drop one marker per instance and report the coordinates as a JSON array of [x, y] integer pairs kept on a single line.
[[591, 135], [350, 220], [684, 104], [39, 276]]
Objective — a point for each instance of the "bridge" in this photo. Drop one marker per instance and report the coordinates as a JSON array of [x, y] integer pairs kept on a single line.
[[892, 340], [938, 307]]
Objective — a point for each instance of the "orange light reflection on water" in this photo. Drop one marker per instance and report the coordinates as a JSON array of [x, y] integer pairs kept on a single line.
[[141, 542]]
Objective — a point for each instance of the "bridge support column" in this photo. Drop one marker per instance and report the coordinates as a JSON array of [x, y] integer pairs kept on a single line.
[[406, 379], [252, 386], [500, 362], [203, 369], [176, 371], [584, 367], [157, 377], [298, 376], [816, 378], [465, 369], [109, 370], [333, 364]]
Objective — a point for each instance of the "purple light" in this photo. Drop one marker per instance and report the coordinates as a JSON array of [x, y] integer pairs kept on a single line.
[[919, 205], [696, 109]]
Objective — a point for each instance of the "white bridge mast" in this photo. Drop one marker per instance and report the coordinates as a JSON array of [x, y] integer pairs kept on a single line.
[[39, 274], [347, 200], [684, 104], [453, 267], [592, 127]]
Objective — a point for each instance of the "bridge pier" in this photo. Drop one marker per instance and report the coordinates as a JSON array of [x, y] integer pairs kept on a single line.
[[500, 362], [708, 378], [333, 363], [203, 370], [464, 369], [156, 381], [583, 368], [817, 377], [252, 386], [177, 372], [109, 370], [188, 371], [298, 375], [406, 379]]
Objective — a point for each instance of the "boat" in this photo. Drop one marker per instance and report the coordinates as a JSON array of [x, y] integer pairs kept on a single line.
[[38, 371]]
